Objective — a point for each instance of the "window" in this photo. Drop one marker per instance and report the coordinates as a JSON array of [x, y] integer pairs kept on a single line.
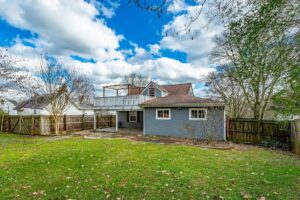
[[163, 114], [132, 116], [151, 91], [197, 114]]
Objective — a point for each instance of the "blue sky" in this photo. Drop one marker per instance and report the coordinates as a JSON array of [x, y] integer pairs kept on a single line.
[[108, 39]]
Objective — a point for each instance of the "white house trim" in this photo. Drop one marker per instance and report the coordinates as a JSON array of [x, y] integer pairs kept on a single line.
[[190, 113], [154, 84], [162, 109]]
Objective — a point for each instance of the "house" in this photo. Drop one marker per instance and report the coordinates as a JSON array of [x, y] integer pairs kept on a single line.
[[39, 105], [7, 106], [165, 110]]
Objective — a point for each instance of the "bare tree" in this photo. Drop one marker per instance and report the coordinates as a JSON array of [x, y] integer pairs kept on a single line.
[[11, 77], [60, 86], [222, 85], [135, 80]]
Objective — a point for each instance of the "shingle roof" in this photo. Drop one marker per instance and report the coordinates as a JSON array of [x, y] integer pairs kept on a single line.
[[36, 102], [178, 89], [179, 96], [179, 100]]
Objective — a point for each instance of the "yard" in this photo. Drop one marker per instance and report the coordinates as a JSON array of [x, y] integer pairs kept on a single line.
[[77, 168]]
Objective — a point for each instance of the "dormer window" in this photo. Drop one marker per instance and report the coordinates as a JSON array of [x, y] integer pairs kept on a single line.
[[151, 91]]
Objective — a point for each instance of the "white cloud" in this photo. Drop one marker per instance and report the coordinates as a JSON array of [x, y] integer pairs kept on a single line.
[[64, 27], [198, 43], [154, 49], [107, 7], [177, 6]]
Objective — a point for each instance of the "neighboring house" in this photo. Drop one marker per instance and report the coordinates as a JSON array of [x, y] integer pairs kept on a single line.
[[7, 106], [39, 105], [166, 110]]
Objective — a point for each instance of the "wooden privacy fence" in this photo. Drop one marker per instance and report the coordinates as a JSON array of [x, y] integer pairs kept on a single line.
[[258, 131], [43, 125], [295, 135]]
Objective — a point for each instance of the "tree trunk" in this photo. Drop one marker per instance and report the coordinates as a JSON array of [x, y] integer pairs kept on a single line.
[[56, 120]]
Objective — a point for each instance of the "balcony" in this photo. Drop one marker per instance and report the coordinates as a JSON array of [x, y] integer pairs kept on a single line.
[[121, 102]]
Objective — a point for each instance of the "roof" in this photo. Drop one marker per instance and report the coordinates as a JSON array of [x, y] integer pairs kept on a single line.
[[133, 90], [178, 89], [179, 96], [36, 102], [182, 100], [12, 101]]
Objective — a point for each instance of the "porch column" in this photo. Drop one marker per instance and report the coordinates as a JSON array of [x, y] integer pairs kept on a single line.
[[95, 120], [117, 121]]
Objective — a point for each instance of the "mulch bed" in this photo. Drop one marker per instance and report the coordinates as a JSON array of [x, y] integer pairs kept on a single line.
[[221, 145]]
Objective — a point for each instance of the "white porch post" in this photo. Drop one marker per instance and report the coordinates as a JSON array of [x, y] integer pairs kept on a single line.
[[117, 121], [95, 120]]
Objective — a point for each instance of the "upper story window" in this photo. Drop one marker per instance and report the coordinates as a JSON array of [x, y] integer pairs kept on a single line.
[[197, 114], [151, 91], [164, 114]]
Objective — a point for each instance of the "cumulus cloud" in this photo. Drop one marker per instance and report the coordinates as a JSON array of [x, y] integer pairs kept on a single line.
[[63, 28], [198, 43], [106, 7], [177, 6]]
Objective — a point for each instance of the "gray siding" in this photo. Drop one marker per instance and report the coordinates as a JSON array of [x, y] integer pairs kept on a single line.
[[158, 92], [122, 117], [180, 126]]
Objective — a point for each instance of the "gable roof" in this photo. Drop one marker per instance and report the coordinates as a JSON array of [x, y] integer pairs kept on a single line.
[[35, 102], [182, 100], [156, 85], [178, 89]]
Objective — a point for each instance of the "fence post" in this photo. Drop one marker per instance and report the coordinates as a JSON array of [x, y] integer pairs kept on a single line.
[[65, 122], [32, 125], [258, 131], [40, 125], [20, 124], [2, 121], [82, 122]]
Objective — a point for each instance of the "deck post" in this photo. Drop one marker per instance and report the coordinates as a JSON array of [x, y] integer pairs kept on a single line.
[[95, 120], [117, 121]]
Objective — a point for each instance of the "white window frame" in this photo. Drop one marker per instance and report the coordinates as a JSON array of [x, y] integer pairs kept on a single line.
[[135, 114], [190, 113], [162, 118]]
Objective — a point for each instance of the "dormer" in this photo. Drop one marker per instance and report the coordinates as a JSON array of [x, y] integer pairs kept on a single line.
[[154, 90]]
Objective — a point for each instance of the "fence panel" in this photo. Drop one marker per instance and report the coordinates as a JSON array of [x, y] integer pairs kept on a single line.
[[295, 127], [258, 131], [44, 125]]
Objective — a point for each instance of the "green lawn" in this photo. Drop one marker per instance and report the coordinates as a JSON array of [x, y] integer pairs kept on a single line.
[[76, 168]]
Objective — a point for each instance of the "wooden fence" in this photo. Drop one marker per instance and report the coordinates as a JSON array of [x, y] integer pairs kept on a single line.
[[43, 125], [258, 132], [295, 135]]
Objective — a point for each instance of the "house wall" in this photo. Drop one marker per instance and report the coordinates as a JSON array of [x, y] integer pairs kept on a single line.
[[158, 92], [72, 110], [122, 117], [7, 107], [180, 126]]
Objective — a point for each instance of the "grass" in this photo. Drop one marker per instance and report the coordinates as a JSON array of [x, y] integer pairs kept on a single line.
[[76, 168]]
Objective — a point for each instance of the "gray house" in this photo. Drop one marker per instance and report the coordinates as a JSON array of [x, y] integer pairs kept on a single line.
[[165, 110]]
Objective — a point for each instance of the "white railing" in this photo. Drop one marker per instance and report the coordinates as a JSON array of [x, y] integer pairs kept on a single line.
[[131, 100]]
